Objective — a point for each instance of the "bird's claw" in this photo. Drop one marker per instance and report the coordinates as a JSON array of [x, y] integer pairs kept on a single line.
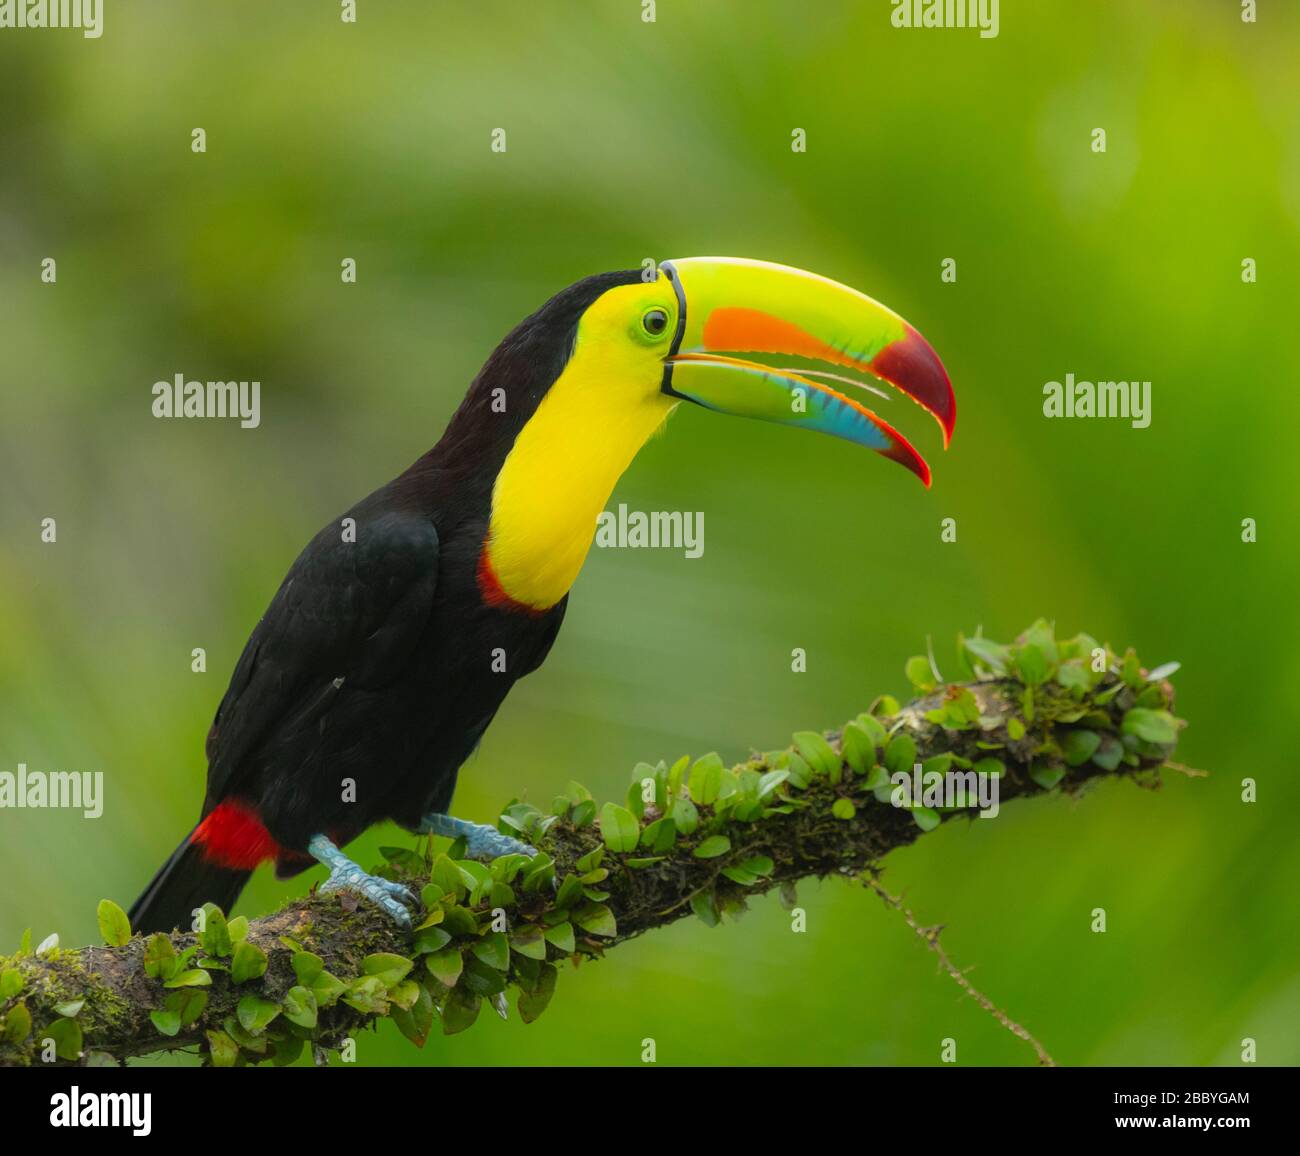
[[391, 898], [484, 842], [399, 891]]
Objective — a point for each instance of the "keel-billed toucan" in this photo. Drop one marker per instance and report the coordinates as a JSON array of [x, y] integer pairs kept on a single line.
[[398, 631]]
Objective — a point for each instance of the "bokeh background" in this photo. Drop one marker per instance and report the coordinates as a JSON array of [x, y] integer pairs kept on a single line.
[[629, 140]]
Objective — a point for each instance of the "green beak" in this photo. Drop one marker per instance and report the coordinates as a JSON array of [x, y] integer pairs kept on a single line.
[[730, 305]]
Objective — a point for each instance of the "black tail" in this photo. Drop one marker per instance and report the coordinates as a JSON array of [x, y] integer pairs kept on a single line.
[[186, 881]]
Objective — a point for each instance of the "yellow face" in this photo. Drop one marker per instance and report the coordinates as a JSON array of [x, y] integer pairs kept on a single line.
[[566, 460]]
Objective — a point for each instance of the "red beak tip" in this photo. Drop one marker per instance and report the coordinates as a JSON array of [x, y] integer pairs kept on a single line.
[[919, 468], [949, 423], [911, 365], [907, 457]]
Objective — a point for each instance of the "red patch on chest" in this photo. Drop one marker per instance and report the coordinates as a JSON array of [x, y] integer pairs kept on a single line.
[[233, 836], [489, 588]]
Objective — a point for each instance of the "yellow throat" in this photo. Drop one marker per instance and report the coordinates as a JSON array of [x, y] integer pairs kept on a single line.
[[564, 464]]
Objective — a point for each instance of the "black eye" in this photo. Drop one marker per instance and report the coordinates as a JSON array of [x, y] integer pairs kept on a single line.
[[655, 322]]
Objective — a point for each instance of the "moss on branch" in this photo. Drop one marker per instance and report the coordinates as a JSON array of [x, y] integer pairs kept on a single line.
[[696, 837]]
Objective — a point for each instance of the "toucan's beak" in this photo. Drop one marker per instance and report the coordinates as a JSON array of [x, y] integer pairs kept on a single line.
[[731, 305]]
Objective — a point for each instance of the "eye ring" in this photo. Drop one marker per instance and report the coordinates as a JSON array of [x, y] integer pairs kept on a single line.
[[655, 322]]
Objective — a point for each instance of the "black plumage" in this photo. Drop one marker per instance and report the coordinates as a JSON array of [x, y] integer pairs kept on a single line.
[[369, 680]]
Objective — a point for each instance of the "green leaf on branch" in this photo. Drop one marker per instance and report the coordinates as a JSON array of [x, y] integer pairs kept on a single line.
[[749, 872], [300, 1006], [859, 749], [1131, 670], [1042, 636], [712, 847], [1074, 678], [159, 957], [685, 816], [460, 1011], [1079, 746], [1109, 753], [705, 904], [705, 782], [919, 674], [818, 754], [900, 755], [660, 835], [11, 983], [66, 1034], [529, 941], [990, 654], [17, 1024], [368, 994], [166, 1021], [249, 962], [597, 919], [414, 1023], [1031, 665], [446, 965], [533, 1002], [255, 1014], [619, 828], [387, 967], [114, 926], [195, 977], [1047, 776], [1152, 726], [561, 935], [215, 937], [494, 950], [307, 966], [327, 989], [925, 817], [223, 1051]]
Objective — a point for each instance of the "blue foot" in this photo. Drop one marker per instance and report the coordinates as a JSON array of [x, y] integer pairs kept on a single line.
[[481, 841], [391, 898]]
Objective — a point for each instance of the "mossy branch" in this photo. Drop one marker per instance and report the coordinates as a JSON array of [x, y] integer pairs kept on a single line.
[[695, 838]]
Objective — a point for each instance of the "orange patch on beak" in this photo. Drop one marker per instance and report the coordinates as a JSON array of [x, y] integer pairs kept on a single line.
[[752, 330]]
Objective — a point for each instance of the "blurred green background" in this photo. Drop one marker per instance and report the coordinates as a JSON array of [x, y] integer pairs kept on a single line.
[[629, 140]]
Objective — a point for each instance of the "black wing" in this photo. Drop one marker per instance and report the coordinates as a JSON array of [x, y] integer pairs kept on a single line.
[[350, 611]]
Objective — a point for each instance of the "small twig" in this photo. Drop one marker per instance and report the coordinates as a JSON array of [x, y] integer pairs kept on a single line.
[[930, 937]]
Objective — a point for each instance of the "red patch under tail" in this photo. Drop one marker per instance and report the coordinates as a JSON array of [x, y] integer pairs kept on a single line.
[[233, 836]]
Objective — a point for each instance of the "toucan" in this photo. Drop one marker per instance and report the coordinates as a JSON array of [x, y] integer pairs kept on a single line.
[[400, 628]]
